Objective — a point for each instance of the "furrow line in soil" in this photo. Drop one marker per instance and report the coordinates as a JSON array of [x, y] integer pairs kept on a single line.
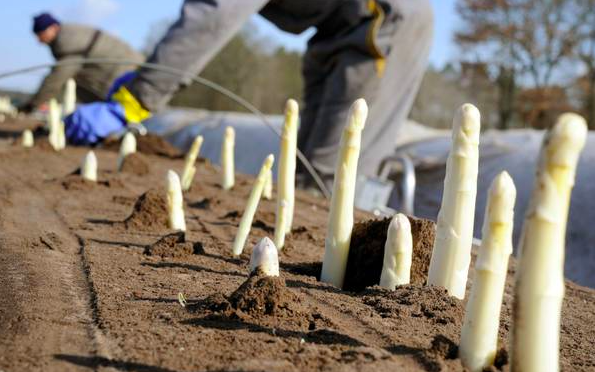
[[53, 298]]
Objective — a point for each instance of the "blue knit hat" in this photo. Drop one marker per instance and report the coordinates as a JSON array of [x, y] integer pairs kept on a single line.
[[42, 21]]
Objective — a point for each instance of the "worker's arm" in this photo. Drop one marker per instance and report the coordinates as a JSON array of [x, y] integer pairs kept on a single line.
[[52, 84], [203, 28]]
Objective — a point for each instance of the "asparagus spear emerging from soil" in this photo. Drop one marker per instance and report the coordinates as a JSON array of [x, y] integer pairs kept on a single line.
[[338, 236], [175, 202], [286, 175], [479, 336], [396, 269], [267, 192], [227, 158], [251, 205], [189, 167], [279, 236], [264, 256], [56, 127], [89, 167], [451, 254], [27, 138], [539, 288], [127, 147], [69, 101], [62, 135]]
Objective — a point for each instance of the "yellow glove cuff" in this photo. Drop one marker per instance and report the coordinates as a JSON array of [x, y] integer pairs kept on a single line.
[[133, 111]]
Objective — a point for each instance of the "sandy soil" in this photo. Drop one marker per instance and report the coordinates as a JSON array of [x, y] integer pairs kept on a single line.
[[90, 278]]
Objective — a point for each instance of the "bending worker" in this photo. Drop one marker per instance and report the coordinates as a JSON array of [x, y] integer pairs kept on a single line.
[[71, 42], [375, 49]]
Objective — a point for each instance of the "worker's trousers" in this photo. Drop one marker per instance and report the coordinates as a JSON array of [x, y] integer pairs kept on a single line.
[[332, 80]]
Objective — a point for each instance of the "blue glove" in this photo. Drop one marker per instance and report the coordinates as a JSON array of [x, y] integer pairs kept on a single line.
[[91, 123]]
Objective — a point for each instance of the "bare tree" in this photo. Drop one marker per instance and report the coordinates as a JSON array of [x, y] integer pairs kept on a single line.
[[486, 37], [585, 52], [524, 41]]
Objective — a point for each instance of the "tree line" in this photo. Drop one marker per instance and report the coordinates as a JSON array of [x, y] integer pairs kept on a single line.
[[539, 55]]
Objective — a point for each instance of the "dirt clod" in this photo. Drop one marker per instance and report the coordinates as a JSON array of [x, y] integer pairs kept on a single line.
[[149, 144], [76, 182], [173, 245], [366, 252]]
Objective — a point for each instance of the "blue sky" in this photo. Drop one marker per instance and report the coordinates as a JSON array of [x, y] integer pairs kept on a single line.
[[131, 20]]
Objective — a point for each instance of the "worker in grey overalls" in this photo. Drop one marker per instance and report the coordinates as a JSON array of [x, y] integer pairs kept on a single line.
[[375, 49], [70, 42]]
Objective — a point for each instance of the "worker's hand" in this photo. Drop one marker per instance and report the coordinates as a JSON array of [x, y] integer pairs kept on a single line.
[[91, 123]]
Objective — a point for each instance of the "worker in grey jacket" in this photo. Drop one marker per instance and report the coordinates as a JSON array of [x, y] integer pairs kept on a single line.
[[72, 42], [375, 49]]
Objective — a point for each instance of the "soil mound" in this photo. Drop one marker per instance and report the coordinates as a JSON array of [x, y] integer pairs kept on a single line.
[[149, 144], [149, 212], [258, 296], [173, 245], [262, 295], [136, 164], [366, 253]]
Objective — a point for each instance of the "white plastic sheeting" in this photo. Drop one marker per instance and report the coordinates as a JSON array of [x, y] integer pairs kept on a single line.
[[515, 151], [254, 140]]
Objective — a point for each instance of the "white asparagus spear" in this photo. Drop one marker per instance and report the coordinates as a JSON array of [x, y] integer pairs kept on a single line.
[[251, 205], [398, 249], [539, 288], [479, 335], [451, 254], [7, 108], [189, 167], [175, 202], [279, 237], [127, 147], [27, 138], [54, 124], [89, 167], [69, 100], [61, 135], [227, 158], [338, 236], [286, 174], [267, 192], [264, 256], [287, 162]]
